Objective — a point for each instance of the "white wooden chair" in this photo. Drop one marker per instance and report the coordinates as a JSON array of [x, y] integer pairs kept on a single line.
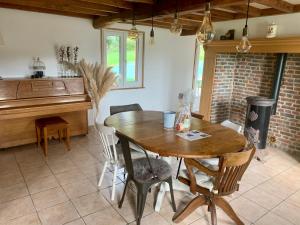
[[111, 154]]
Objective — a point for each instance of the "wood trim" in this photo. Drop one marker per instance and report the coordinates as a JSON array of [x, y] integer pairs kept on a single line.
[[262, 45]]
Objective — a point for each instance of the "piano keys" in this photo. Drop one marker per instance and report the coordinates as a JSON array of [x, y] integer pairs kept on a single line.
[[22, 101]]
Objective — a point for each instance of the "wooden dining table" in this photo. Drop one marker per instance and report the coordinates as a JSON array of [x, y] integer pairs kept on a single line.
[[145, 128]]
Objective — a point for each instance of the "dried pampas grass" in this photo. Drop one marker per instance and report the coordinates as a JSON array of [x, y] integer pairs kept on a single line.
[[98, 80]]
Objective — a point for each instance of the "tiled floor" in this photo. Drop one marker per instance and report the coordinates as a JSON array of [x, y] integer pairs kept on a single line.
[[62, 189]]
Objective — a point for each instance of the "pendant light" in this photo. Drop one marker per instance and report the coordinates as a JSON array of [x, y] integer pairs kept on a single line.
[[133, 33], [206, 32], [152, 40], [176, 27], [244, 46]]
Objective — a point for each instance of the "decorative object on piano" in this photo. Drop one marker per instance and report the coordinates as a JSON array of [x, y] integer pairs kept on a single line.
[[68, 59], [98, 80], [38, 68], [272, 30], [228, 36]]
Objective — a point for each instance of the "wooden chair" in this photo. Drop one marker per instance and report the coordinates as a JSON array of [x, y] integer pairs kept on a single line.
[[111, 153], [212, 185], [43, 127]]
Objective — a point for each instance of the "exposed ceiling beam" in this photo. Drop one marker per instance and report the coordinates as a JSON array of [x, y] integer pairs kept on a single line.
[[277, 4], [115, 3], [141, 1], [50, 11], [166, 7], [243, 9], [63, 6]]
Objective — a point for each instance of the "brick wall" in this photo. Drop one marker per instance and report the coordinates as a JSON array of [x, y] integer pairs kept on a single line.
[[252, 75]]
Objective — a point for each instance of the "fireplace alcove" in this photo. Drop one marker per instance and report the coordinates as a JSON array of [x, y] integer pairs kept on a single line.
[[228, 78]]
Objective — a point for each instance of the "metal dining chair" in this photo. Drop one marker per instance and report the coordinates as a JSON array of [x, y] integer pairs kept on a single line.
[[144, 173], [111, 152], [212, 185]]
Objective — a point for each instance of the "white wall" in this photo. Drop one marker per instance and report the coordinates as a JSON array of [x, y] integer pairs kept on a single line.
[[168, 64]]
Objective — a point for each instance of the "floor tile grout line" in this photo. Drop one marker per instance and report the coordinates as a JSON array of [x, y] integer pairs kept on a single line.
[[28, 191]]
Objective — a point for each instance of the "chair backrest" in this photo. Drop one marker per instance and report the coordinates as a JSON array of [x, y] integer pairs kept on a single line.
[[125, 108], [232, 167], [231, 125], [109, 141]]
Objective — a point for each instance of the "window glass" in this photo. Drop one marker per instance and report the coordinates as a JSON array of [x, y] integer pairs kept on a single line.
[[113, 53], [131, 62]]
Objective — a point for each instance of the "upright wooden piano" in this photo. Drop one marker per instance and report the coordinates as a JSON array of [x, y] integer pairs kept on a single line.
[[22, 101]]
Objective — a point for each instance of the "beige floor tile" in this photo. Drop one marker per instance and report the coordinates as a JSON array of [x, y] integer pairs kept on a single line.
[[272, 219], [36, 172], [76, 222], [48, 198], [36, 185], [70, 176], [58, 214], [294, 199], [118, 193], [80, 188], [13, 192], [248, 209], [93, 170], [288, 211], [277, 188], [61, 165], [151, 219], [263, 198], [10, 179], [90, 203], [128, 210], [16, 208], [107, 180], [31, 219], [254, 178], [105, 217]]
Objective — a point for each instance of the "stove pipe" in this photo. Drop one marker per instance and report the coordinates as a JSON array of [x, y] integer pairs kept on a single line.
[[280, 66]]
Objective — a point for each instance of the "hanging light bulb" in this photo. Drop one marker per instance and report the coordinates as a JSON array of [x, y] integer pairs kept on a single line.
[[133, 33], [206, 32], [244, 46], [176, 27], [152, 40]]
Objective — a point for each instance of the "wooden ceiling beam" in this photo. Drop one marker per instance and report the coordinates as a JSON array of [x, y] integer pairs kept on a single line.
[[243, 9], [141, 1], [115, 3], [53, 5], [280, 5], [49, 11], [162, 8]]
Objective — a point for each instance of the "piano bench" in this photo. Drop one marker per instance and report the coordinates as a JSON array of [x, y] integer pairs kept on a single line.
[[56, 123]]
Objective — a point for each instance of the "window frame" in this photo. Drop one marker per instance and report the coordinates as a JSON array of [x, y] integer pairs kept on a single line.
[[139, 64]]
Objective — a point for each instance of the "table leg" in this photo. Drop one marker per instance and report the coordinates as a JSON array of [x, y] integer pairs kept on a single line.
[[45, 141]]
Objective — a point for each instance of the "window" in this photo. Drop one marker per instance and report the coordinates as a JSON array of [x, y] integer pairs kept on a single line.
[[198, 73], [125, 56]]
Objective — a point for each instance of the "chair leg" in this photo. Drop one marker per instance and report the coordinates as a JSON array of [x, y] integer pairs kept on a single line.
[[38, 136], [45, 141], [170, 182], [114, 182], [141, 201], [225, 206], [190, 207], [124, 192], [68, 138], [102, 174], [213, 212]]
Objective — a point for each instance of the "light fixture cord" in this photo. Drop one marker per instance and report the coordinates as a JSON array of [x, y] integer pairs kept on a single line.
[[133, 16], [152, 17], [247, 13], [176, 10]]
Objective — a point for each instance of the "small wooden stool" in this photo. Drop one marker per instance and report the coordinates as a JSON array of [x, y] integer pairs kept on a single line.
[[44, 125]]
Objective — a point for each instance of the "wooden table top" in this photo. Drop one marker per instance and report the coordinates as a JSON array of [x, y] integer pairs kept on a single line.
[[145, 128]]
